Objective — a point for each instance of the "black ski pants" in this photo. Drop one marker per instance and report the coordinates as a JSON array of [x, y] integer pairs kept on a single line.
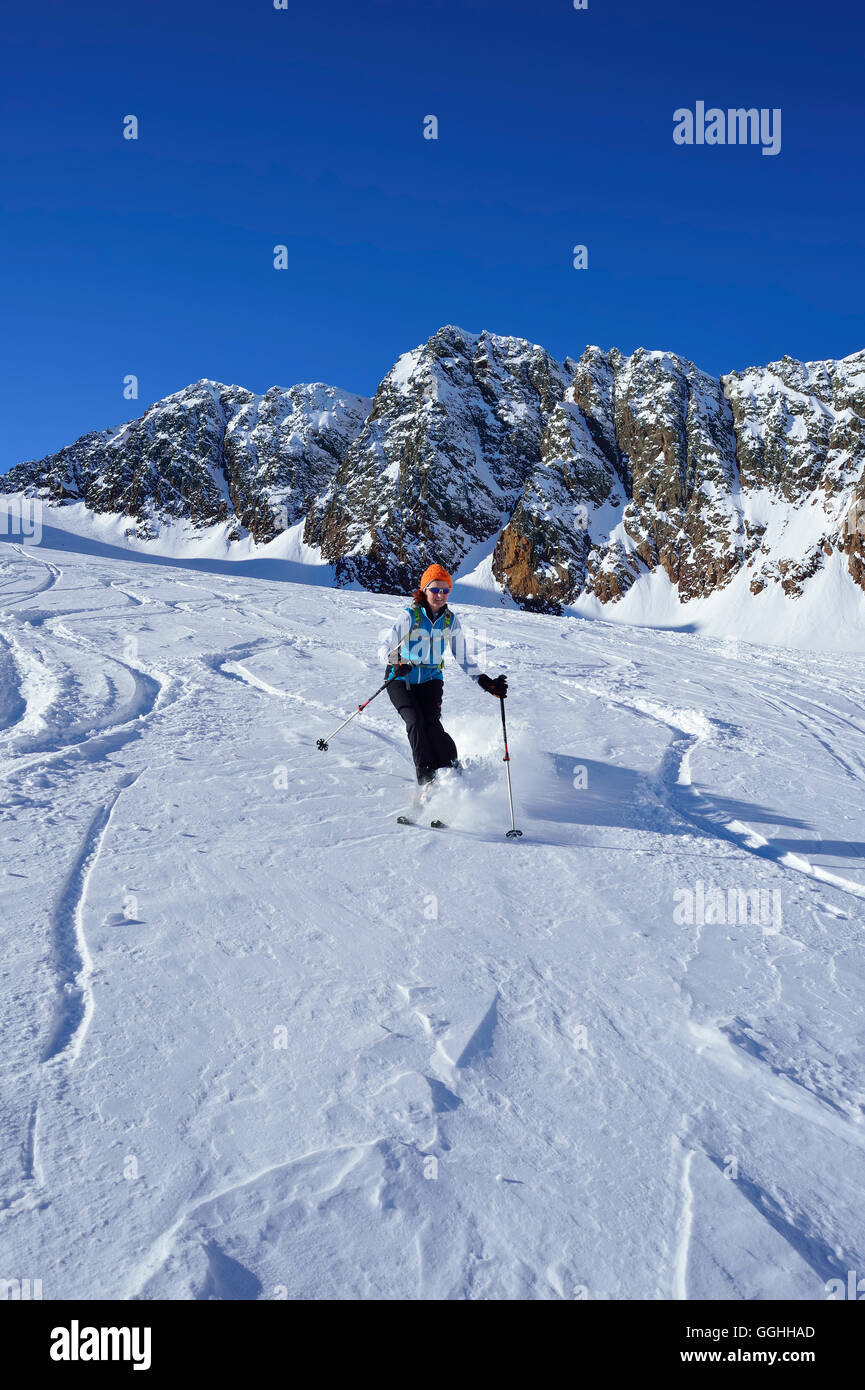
[[420, 708]]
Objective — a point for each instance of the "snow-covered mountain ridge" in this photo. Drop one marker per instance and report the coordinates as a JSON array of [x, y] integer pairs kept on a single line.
[[575, 481]]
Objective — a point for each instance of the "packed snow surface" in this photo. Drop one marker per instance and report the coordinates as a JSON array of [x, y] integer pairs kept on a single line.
[[263, 1042]]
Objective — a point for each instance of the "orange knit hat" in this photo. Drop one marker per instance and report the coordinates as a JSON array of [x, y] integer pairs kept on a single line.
[[435, 572]]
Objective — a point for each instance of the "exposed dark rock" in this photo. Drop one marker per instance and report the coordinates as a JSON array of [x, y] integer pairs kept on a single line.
[[454, 430], [580, 478], [207, 454]]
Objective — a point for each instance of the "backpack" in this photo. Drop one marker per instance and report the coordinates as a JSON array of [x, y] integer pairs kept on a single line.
[[417, 614]]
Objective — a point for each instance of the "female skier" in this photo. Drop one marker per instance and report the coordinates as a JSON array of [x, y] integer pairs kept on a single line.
[[415, 651]]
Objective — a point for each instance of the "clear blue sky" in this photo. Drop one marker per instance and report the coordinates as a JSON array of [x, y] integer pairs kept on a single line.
[[260, 126]]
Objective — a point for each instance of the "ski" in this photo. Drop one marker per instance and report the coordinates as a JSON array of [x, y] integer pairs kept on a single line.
[[433, 824]]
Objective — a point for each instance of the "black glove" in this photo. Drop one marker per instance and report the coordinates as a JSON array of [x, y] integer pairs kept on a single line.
[[402, 669], [497, 687]]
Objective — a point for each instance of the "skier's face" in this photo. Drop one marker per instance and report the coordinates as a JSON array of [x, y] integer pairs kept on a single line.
[[437, 594]]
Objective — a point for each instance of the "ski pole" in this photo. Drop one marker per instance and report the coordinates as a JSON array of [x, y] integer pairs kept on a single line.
[[507, 762], [323, 742]]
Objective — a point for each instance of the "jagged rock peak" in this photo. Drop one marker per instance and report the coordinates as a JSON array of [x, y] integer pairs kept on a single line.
[[582, 476], [453, 433], [208, 454]]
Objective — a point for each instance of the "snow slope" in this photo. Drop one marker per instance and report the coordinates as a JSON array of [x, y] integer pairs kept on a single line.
[[244, 1011]]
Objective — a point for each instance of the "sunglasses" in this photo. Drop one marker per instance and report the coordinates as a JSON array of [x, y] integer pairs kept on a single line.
[[433, 589]]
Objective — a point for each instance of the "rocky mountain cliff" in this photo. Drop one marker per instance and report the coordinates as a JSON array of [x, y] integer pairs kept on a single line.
[[581, 476], [441, 460], [207, 454]]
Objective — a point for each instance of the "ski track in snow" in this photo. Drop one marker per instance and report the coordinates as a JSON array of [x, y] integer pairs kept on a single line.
[[505, 1072], [673, 784], [685, 1225], [73, 963], [93, 737]]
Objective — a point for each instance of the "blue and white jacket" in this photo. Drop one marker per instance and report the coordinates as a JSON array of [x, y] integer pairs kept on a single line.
[[421, 640]]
